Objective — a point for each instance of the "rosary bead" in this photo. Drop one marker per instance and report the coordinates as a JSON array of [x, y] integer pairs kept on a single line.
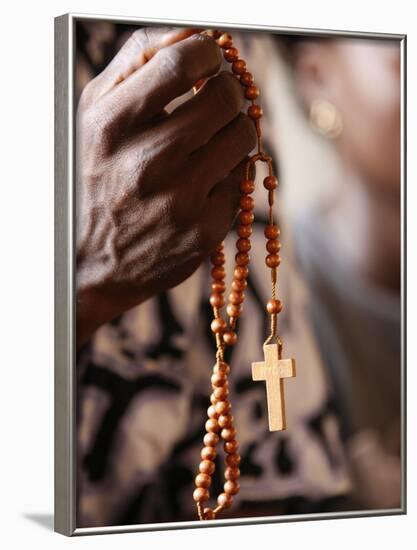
[[247, 187], [244, 231], [246, 203], [252, 92], [218, 379], [232, 473], [217, 259], [271, 231], [274, 306], [212, 425], [218, 286], [206, 467], [255, 112], [217, 300], [230, 337], [209, 453], [231, 447], [231, 487], [211, 439], [246, 79], [233, 459], [221, 393], [203, 480], [214, 33], [221, 367], [225, 41], [233, 310], [224, 500], [243, 245], [242, 258], [211, 412], [201, 495], [231, 54], [270, 183], [218, 272], [223, 407], [246, 217], [239, 285], [272, 260], [273, 246], [228, 434], [213, 400], [236, 298], [218, 325], [241, 272], [239, 66], [208, 513], [225, 421]]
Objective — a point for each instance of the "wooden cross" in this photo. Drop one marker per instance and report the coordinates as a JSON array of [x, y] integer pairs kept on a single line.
[[272, 371]]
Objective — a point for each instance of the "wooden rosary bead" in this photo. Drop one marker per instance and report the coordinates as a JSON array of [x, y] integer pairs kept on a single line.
[[225, 421], [225, 41], [273, 246], [221, 393], [211, 412], [233, 459], [246, 79], [239, 66], [231, 487], [255, 112], [223, 407], [218, 272], [230, 337], [213, 400], [243, 245], [251, 93], [208, 513], [242, 258], [211, 439], [271, 231], [224, 500], [228, 434], [236, 298], [239, 285], [272, 260], [218, 326], [201, 495], [217, 259], [274, 306], [218, 287], [247, 187], [217, 300], [231, 447], [232, 473], [218, 379], [209, 453], [246, 217], [203, 481], [233, 310], [221, 367], [206, 467], [241, 272], [244, 231], [246, 202], [270, 183], [231, 54], [212, 425]]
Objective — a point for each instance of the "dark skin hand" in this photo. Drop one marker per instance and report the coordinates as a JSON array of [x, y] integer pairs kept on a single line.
[[156, 192]]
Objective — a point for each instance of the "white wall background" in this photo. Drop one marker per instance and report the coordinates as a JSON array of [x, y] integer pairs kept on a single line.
[[26, 248]]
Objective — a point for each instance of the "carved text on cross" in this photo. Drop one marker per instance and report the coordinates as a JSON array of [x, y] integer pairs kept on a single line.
[[272, 371]]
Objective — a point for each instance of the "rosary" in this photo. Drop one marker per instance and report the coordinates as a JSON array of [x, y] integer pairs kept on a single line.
[[220, 423]]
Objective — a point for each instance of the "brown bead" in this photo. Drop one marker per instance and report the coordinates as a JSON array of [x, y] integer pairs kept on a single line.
[[252, 92], [221, 367], [201, 495], [236, 298], [247, 187], [270, 183], [217, 259], [224, 500], [239, 66], [206, 467], [211, 439], [232, 473], [274, 306], [211, 412], [208, 513], [231, 446], [203, 480], [221, 393], [239, 285], [225, 420], [230, 337], [210, 453], [273, 246], [218, 287], [244, 231], [225, 41], [228, 434], [271, 231], [255, 112], [231, 487], [246, 217], [218, 272], [242, 258], [233, 459], [241, 272], [233, 310], [212, 425], [218, 379], [246, 79], [246, 202], [272, 260], [223, 407], [231, 54], [218, 326], [213, 400], [243, 245], [217, 300]]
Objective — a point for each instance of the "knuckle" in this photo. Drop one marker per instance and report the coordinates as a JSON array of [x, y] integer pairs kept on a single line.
[[228, 94]]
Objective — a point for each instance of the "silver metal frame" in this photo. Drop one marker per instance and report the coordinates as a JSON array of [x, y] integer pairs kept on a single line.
[[65, 368]]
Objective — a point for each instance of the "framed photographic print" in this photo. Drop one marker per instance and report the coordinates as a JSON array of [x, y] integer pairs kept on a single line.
[[230, 290]]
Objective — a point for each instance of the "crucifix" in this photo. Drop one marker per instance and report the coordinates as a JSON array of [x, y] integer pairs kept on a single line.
[[273, 370]]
